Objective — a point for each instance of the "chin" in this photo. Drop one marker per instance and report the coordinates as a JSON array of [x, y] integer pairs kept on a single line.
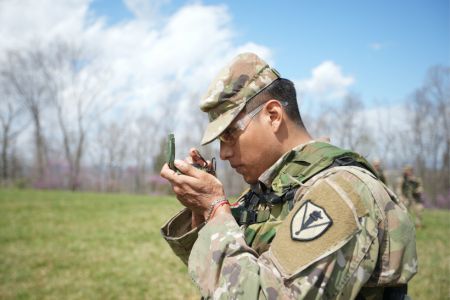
[[250, 180]]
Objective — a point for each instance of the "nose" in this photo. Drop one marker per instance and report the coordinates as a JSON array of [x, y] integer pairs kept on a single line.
[[226, 151]]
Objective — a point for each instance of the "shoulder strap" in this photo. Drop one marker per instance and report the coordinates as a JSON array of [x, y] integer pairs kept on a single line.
[[303, 165], [313, 159]]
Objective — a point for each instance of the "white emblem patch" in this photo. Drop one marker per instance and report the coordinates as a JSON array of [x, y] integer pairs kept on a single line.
[[309, 222]]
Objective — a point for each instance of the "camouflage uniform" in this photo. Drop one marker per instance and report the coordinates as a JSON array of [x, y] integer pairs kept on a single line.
[[381, 176], [309, 229], [379, 171], [410, 189]]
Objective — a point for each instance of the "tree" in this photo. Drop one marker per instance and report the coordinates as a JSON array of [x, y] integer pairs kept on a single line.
[[438, 90], [74, 91], [429, 110], [112, 142], [349, 125], [388, 136], [12, 124], [143, 148], [21, 72]]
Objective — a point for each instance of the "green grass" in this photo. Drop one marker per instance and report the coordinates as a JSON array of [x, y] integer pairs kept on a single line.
[[433, 250], [63, 245]]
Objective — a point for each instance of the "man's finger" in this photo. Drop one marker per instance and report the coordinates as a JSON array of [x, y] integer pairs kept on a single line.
[[197, 158], [187, 169], [179, 178], [169, 174], [209, 164], [189, 160]]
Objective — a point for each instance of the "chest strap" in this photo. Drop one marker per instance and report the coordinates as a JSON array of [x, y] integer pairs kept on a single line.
[[250, 213]]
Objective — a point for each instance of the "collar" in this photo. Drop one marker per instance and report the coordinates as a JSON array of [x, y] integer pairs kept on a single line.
[[265, 180]]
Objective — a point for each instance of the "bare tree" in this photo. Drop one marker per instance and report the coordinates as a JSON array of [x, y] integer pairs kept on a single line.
[[429, 122], [112, 140], [12, 124], [438, 88], [143, 148], [349, 125], [383, 130], [75, 93], [171, 117], [22, 74]]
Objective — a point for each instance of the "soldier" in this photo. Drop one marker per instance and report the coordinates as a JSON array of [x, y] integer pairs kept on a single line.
[[315, 223], [379, 169], [410, 189]]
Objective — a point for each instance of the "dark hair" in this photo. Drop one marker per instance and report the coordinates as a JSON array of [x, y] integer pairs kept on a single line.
[[282, 90]]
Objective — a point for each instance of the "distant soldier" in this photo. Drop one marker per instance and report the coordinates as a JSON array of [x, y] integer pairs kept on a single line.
[[379, 169], [410, 189]]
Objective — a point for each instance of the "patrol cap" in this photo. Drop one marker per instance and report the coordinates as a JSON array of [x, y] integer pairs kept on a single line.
[[234, 86], [408, 168]]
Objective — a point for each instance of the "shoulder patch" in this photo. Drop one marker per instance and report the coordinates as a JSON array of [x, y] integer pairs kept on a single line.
[[316, 227], [309, 222]]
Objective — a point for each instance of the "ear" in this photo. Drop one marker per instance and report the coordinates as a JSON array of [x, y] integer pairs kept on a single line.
[[274, 113]]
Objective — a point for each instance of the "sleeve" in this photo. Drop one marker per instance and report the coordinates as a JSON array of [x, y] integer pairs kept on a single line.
[[179, 234], [327, 247]]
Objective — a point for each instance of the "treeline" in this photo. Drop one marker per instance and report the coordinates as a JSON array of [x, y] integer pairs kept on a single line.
[[60, 128]]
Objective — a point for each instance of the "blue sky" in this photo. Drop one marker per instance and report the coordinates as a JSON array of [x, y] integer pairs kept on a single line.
[[385, 46], [151, 57]]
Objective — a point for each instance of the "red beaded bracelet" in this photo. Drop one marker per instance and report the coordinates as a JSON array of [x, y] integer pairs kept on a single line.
[[214, 205], [217, 206]]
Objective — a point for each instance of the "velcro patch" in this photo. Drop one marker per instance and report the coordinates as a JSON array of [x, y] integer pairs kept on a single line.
[[314, 229], [309, 222]]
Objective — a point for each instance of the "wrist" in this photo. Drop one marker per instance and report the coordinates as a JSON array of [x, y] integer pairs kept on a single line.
[[197, 220], [214, 205], [220, 210]]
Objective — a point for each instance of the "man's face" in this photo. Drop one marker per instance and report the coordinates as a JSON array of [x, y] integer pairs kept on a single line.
[[408, 172], [250, 153], [376, 165]]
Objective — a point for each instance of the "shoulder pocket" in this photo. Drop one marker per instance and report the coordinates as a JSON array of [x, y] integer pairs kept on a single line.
[[321, 223]]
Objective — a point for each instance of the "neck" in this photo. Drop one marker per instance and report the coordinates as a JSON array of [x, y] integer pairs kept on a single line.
[[295, 136]]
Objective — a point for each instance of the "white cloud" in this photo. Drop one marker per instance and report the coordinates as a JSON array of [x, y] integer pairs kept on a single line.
[[150, 59], [146, 62], [376, 46], [25, 21], [327, 82], [145, 9]]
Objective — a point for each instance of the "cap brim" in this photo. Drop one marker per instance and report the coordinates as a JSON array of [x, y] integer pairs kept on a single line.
[[216, 127]]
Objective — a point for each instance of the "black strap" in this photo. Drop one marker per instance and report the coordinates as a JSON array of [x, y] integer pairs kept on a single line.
[[249, 214], [395, 292], [349, 161], [389, 292]]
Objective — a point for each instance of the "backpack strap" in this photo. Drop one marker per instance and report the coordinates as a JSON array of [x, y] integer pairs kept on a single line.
[[300, 167]]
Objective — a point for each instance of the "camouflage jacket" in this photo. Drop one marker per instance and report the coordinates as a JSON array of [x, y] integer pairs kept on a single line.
[[381, 176], [346, 235], [411, 188]]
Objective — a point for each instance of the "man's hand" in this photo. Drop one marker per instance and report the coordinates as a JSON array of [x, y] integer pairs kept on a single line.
[[194, 188]]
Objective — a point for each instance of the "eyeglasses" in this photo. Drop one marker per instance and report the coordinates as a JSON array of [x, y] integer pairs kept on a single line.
[[230, 134]]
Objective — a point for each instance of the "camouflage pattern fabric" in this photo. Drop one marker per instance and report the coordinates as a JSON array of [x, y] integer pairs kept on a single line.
[[375, 246], [381, 176], [410, 189], [380, 171], [291, 170], [179, 234], [235, 85]]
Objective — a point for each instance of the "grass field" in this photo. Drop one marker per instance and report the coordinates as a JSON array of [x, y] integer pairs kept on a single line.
[[63, 245]]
